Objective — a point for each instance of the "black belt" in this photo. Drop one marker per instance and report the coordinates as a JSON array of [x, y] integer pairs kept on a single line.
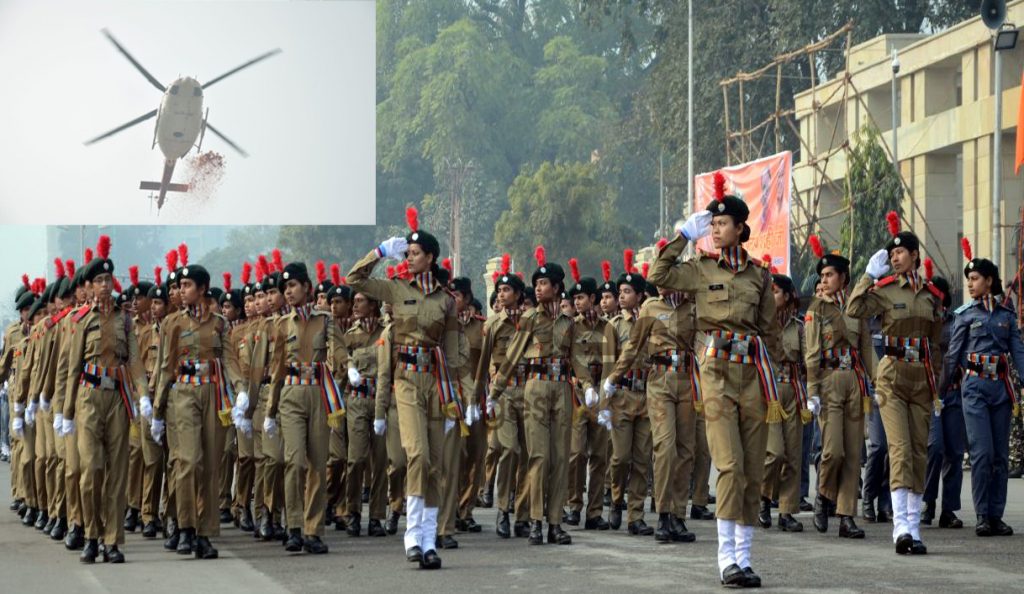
[[97, 381], [292, 371], [682, 364], [980, 369]]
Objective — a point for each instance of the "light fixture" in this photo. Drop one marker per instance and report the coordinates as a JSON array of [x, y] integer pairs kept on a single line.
[[1006, 39]]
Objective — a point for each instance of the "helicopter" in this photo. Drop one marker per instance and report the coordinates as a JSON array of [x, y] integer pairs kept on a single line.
[[180, 120]]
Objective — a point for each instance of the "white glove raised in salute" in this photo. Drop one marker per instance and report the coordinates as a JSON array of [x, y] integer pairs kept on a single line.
[[878, 265], [697, 226], [393, 247]]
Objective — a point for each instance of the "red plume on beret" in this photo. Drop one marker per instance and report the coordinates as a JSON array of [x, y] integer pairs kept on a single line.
[[520, 274], [171, 259], [929, 268], [816, 247], [133, 274], [38, 286], [69, 268], [412, 218], [719, 186], [246, 273], [275, 254], [447, 265], [117, 285], [606, 270], [103, 247], [965, 245], [157, 274], [321, 271], [893, 220], [768, 258], [506, 263], [24, 281], [645, 268], [87, 256], [227, 281], [183, 255], [58, 268], [627, 260], [661, 244], [336, 273], [540, 256], [494, 276], [262, 268], [574, 269], [344, 280]]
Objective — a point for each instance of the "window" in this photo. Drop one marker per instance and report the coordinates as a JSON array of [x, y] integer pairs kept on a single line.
[[174, 89]]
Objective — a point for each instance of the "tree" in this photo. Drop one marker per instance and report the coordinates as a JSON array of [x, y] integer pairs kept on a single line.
[[244, 244]]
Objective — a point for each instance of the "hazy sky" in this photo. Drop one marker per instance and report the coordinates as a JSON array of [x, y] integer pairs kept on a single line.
[[306, 116]]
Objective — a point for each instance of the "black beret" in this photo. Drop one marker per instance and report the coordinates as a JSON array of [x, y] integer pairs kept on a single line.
[[461, 284], [586, 286], [158, 292], [633, 279], [426, 241], [141, 289], [735, 207], [511, 280], [25, 301], [97, 267], [340, 292], [552, 272], [295, 271], [903, 239], [195, 273]]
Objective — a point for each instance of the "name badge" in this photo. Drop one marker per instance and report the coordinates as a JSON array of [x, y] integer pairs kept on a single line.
[[410, 302], [899, 306], [292, 338], [187, 333], [715, 287], [977, 324]]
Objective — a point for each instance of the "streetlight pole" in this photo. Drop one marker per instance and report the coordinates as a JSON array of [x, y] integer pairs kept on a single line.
[[689, 108], [895, 110]]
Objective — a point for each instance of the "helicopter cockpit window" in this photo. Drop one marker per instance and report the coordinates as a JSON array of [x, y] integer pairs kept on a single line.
[[197, 91], [174, 90]]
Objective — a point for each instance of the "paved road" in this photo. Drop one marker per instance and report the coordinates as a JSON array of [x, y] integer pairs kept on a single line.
[[596, 562]]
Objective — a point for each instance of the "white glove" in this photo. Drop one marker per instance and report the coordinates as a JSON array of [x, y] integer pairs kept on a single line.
[[609, 388], [44, 402], [156, 429], [814, 405], [30, 413], [380, 426], [58, 422], [146, 407], [67, 427], [937, 411], [392, 248], [473, 412], [492, 407], [18, 426], [354, 377], [242, 402], [245, 426], [448, 425], [878, 265], [697, 226], [591, 398], [270, 427], [604, 419]]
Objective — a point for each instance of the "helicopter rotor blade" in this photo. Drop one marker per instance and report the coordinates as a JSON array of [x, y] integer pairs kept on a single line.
[[217, 132], [259, 58], [152, 80], [138, 120]]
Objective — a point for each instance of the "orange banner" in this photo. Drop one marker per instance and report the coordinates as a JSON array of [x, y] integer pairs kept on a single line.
[[765, 186]]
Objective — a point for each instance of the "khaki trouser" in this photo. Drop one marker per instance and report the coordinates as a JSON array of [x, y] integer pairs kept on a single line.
[[58, 502], [15, 466], [366, 449], [674, 434], [513, 463], [782, 465], [451, 463], [44, 453], [473, 452], [72, 480], [27, 466], [133, 484], [422, 431], [905, 401], [396, 460], [227, 468], [548, 411], [153, 460], [337, 470], [269, 453], [304, 431], [735, 410], [491, 460], [198, 445], [702, 464], [102, 427], [842, 439], [588, 457], [631, 451], [245, 473]]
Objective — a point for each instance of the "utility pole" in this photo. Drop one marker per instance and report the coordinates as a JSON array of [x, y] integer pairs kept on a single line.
[[457, 173]]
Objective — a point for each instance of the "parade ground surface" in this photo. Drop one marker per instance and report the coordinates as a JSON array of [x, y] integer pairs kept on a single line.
[[611, 561]]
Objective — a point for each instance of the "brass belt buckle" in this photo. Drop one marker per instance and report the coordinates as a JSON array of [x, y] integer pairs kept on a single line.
[[107, 383], [990, 367], [912, 354], [556, 369], [845, 361], [422, 358], [740, 347]]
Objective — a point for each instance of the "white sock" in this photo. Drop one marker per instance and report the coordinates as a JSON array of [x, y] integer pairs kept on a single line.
[[413, 521], [726, 544], [428, 536], [744, 538], [914, 501], [899, 513]]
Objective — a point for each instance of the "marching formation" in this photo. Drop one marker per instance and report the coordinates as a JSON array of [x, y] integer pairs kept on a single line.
[[285, 404]]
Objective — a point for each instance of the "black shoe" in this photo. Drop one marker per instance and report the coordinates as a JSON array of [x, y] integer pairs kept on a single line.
[[16, 505], [640, 528], [764, 515], [50, 523], [447, 542], [805, 506], [314, 546], [245, 521], [1015, 472], [558, 536], [884, 515], [712, 500], [171, 544], [487, 501], [226, 517], [391, 524], [280, 534], [501, 526], [111, 554], [607, 499], [918, 548], [460, 525], [868, 511], [205, 550], [75, 539], [355, 527], [983, 528], [41, 520], [928, 513], [999, 528], [753, 580], [90, 552], [821, 514], [536, 532], [615, 518], [340, 523], [948, 519], [572, 518], [472, 526], [521, 529], [701, 512], [414, 555], [679, 531], [131, 520], [903, 544], [734, 577], [294, 542], [848, 528], [266, 528], [149, 530], [22, 509], [186, 543], [30, 517], [663, 533], [787, 523], [596, 523], [430, 560], [59, 529], [374, 528], [366, 495]]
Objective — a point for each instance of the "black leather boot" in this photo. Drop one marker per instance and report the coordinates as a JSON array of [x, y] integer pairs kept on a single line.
[[536, 532], [848, 528], [112, 554], [355, 527], [821, 514], [663, 533], [502, 526], [679, 531], [764, 514], [60, 528], [391, 524], [90, 552], [245, 520], [186, 542], [131, 520], [558, 536], [294, 542], [787, 523], [314, 546], [205, 550]]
